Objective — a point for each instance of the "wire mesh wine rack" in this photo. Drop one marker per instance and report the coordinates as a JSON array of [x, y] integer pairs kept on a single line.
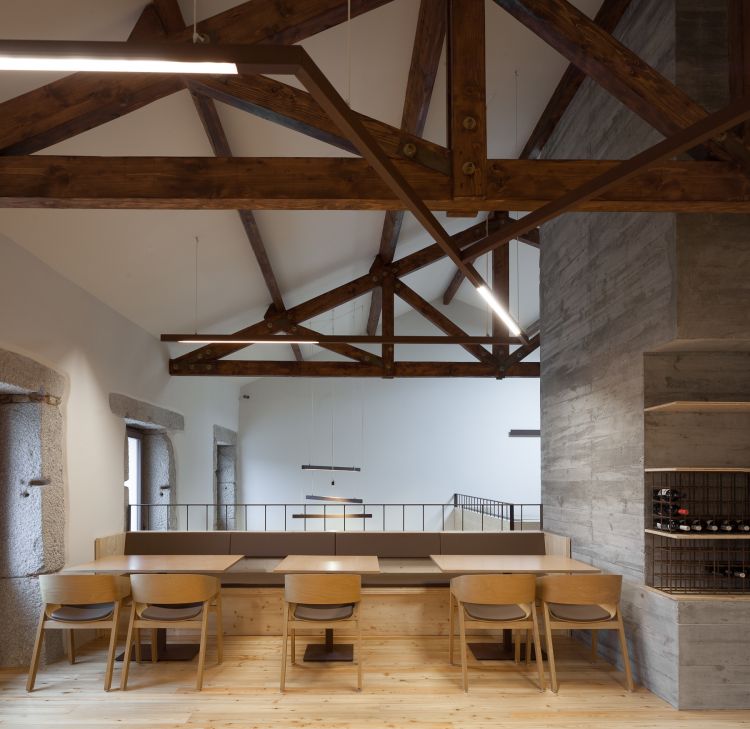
[[696, 536]]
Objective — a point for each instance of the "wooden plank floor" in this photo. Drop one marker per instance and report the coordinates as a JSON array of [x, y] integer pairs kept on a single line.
[[407, 683]]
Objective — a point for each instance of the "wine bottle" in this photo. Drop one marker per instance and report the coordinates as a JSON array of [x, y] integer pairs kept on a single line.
[[667, 525], [739, 572], [726, 525], [710, 525], [741, 525], [696, 525], [683, 525], [671, 494]]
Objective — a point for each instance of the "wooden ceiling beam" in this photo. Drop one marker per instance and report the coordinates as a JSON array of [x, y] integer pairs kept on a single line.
[[425, 60], [330, 299], [82, 101], [307, 183], [715, 124], [442, 322], [295, 109], [620, 71], [514, 360], [343, 348], [264, 368]]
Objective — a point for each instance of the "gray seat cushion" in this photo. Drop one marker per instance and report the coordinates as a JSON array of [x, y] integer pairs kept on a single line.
[[82, 613], [575, 613], [494, 612], [323, 612], [161, 612]]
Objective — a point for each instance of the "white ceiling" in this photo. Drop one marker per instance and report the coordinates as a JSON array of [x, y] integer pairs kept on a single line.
[[141, 263]]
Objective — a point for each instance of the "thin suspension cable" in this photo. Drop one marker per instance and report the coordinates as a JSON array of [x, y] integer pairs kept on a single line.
[[349, 53], [196, 285]]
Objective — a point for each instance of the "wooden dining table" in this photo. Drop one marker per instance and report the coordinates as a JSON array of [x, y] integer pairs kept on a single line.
[[201, 564], [319, 564], [536, 564]]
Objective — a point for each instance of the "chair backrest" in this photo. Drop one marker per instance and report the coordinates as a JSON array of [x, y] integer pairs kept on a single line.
[[173, 589], [322, 589], [82, 589], [495, 589], [581, 590]]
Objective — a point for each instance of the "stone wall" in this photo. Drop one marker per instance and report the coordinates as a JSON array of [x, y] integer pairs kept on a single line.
[[32, 516]]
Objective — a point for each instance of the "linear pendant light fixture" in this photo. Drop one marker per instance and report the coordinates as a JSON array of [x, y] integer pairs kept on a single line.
[[497, 307], [106, 57], [310, 467]]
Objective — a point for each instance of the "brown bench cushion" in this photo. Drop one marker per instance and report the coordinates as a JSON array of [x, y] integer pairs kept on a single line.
[[177, 543], [281, 544], [492, 543], [389, 544]]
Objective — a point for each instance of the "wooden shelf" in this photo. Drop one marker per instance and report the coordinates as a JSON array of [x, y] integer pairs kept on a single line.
[[697, 469], [680, 535], [700, 406]]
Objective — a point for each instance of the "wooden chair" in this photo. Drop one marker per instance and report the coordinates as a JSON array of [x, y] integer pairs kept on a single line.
[[583, 602], [174, 601], [77, 602], [324, 601], [488, 602]]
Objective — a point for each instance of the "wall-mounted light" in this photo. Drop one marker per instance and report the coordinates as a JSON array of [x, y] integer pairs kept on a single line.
[[524, 433]]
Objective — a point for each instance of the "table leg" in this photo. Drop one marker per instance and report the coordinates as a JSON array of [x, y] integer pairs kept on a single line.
[[495, 651], [166, 651], [329, 651]]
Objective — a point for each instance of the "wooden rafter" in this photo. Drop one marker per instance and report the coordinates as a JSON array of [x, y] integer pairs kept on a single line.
[[425, 58], [308, 183], [530, 238], [607, 18], [441, 321], [296, 109], [82, 101], [618, 70], [330, 299], [514, 359]]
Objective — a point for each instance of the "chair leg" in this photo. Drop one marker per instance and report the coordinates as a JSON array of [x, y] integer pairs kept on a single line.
[[128, 651], [451, 627], [550, 649], [71, 647], [464, 666], [202, 650], [625, 655], [294, 646], [537, 649], [517, 646], [34, 667], [528, 647], [137, 645], [219, 629], [284, 638], [594, 645], [359, 655], [112, 648], [154, 649]]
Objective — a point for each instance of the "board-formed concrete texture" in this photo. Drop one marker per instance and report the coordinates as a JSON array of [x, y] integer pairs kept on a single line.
[[613, 288], [32, 519], [143, 414]]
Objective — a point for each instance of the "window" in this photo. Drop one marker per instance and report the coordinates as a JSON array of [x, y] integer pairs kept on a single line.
[[134, 482]]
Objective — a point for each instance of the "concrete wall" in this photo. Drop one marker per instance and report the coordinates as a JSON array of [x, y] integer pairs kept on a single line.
[[615, 286]]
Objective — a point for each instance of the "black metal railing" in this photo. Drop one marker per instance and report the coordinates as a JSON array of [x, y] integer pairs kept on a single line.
[[461, 512]]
